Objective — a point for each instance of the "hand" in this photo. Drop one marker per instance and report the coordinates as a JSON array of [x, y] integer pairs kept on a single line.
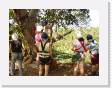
[[72, 49]]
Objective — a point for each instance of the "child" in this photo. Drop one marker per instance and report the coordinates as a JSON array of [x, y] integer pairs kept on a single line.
[[93, 47]]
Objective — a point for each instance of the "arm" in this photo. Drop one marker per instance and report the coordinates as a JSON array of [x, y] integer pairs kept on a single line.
[[73, 47], [50, 48]]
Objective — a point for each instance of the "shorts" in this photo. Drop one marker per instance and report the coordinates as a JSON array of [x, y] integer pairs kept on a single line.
[[17, 56], [76, 57], [44, 61], [95, 59]]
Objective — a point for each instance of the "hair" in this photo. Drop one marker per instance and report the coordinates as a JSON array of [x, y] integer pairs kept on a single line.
[[44, 36], [81, 39]]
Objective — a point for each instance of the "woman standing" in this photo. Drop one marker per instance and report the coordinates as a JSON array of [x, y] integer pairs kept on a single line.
[[44, 55], [79, 49]]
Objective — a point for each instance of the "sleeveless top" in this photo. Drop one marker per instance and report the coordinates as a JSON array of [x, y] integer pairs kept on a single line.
[[43, 47], [16, 46]]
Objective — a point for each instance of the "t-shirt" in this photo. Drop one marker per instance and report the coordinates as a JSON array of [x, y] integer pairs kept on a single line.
[[93, 46], [16, 46], [78, 45]]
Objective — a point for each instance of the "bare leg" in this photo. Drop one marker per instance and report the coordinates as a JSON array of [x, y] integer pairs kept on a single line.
[[13, 65], [76, 68], [41, 67], [93, 69], [97, 67], [37, 59], [81, 67], [46, 70], [20, 67]]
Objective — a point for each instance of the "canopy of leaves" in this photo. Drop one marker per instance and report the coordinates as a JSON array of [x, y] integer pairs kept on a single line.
[[65, 17], [60, 17]]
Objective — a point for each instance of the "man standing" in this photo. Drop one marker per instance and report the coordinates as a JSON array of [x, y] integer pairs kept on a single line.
[[94, 51], [16, 51]]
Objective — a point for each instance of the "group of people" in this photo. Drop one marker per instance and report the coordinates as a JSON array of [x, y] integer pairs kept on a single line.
[[80, 47], [42, 42]]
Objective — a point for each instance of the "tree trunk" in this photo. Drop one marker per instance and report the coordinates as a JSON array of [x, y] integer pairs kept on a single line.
[[26, 21]]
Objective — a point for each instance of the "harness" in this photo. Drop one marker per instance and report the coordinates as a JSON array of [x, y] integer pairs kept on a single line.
[[43, 53], [82, 45]]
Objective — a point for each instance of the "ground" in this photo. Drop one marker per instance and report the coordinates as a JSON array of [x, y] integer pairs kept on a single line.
[[63, 53], [56, 70]]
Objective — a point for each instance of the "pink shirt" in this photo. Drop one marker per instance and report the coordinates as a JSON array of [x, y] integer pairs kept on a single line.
[[38, 38], [78, 46]]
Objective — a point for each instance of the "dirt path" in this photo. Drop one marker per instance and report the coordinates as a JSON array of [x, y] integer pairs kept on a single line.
[[57, 70]]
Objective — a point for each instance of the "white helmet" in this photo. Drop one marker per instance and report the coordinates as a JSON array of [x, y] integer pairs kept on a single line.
[[39, 28], [78, 34], [14, 36]]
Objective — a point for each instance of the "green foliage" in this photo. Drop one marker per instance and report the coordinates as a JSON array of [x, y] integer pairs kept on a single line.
[[62, 48], [60, 18], [65, 17], [11, 14]]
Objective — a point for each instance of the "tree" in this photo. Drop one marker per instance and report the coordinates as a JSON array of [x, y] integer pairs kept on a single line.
[[26, 19]]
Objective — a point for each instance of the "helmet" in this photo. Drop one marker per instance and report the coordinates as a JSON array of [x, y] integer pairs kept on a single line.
[[39, 28], [44, 36], [44, 22], [14, 36], [78, 34], [89, 37]]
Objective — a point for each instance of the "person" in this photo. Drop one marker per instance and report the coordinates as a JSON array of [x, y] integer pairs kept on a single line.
[[79, 49], [38, 40], [39, 30], [94, 51], [16, 54], [44, 55]]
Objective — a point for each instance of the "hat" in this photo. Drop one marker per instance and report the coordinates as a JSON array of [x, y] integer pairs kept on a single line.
[[14, 36], [39, 28], [78, 34], [89, 37]]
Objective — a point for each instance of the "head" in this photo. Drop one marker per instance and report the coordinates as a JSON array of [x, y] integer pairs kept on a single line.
[[44, 22], [44, 36], [15, 36], [81, 39], [89, 38]]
